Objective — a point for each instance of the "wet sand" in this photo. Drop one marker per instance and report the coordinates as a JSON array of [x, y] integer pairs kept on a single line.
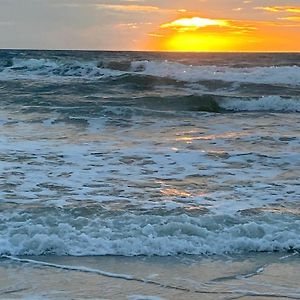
[[254, 276]]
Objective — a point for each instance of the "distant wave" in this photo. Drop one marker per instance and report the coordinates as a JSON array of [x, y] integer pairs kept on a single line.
[[31, 68], [174, 86], [287, 75]]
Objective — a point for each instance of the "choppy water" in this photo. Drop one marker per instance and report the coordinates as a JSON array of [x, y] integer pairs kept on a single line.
[[148, 153]]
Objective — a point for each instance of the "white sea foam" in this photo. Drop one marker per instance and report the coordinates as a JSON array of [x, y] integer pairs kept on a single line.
[[283, 75], [130, 234], [43, 68], [286, 75], [267, 103]]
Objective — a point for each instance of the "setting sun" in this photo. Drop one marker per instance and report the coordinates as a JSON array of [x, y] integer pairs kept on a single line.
[[200, 34], [187, 24], [197, 42], [196, 33]]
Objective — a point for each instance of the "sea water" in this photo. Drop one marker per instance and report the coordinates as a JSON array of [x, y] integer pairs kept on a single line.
[[165, 154]]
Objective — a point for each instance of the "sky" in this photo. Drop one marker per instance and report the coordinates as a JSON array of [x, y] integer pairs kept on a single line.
[[172, 25]]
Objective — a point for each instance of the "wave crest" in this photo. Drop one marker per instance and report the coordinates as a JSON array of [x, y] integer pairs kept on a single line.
[[131, 235], [288, 75], [283, 75], [168, 85]]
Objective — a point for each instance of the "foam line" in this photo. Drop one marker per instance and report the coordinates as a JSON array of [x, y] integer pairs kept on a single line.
[[70, 268], [89, 270], [296, 252]]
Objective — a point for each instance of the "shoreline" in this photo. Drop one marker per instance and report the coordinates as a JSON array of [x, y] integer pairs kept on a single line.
[[248, 276]]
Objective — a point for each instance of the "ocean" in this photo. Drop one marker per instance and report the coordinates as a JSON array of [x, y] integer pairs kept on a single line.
[[149, 168]]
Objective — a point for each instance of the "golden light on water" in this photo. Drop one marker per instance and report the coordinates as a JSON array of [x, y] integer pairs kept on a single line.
[[175, 192], [225, 135]]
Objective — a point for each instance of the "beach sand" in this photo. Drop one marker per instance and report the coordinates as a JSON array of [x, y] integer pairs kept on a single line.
[[255, 276]]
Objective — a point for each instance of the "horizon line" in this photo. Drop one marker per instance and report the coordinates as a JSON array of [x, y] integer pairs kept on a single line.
[[153, 51]]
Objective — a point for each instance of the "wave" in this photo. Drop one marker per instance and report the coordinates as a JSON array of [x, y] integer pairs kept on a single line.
[[287, 75], [283, 75], [159, 85], [219, 103], [138, 98], [31, 68], [267, 104], [131, 234], [156, 105], [214, 103]]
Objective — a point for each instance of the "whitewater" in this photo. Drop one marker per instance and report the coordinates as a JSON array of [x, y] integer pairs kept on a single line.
[[119, 155]]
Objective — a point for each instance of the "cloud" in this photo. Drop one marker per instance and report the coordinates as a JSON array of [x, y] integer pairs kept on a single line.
[[292, 18], [197, 23], [134, 25], [128, 8], [194, 23], [155, 35], [295, 9]]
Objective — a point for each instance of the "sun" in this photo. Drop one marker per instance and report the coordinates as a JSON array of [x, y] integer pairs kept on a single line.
[[198, 42], [198, 34]]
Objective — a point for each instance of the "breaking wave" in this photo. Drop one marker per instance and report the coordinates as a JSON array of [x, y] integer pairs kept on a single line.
[[217, 103], [267, 103], [146, 234], [31, 68], [287, 75], [166, 85]]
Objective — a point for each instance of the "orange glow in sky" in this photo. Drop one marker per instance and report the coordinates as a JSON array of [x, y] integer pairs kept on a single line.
[[278, 29], [203, 34], [172, 25]]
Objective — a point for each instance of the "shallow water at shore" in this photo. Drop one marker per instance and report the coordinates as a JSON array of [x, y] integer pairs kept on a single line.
[[255, 276]]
